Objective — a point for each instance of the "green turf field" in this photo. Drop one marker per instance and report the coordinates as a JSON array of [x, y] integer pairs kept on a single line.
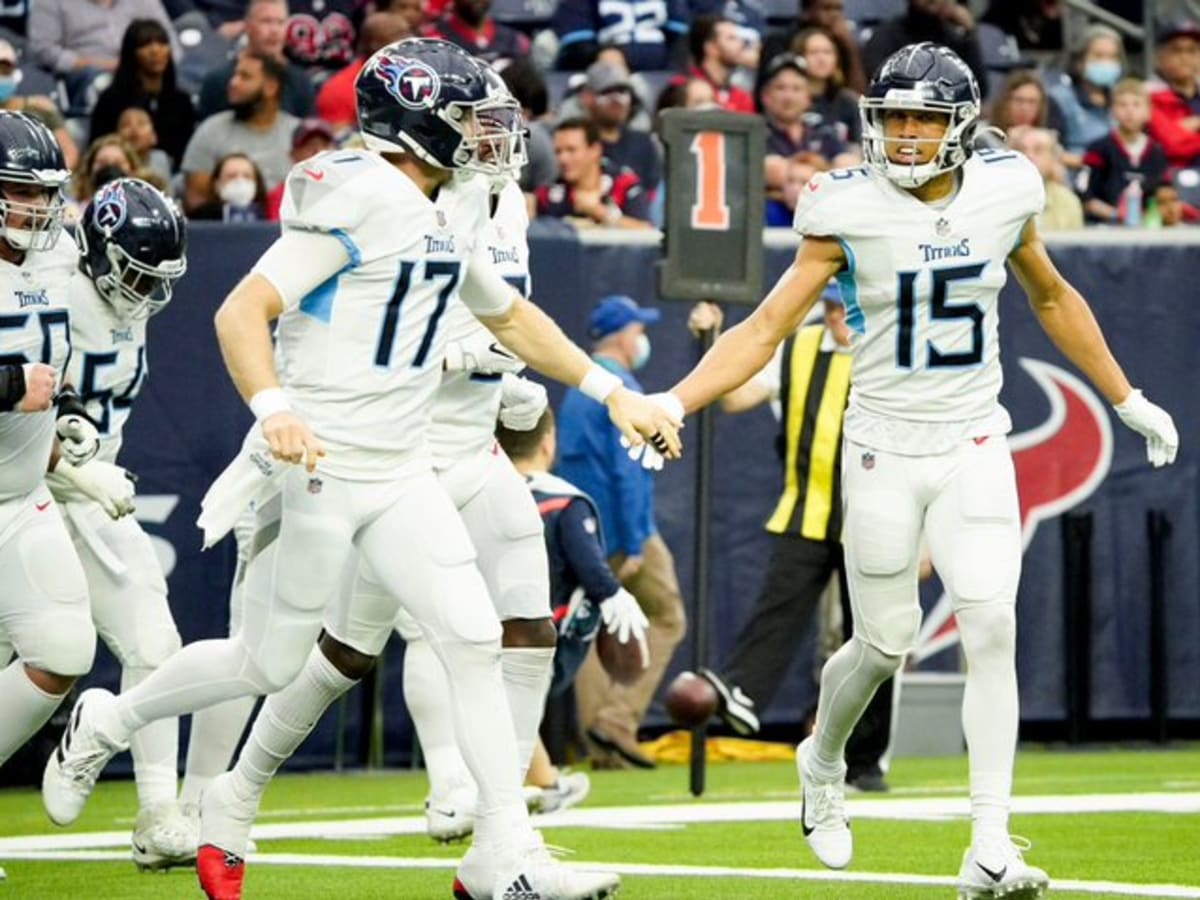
[[1115, 824]]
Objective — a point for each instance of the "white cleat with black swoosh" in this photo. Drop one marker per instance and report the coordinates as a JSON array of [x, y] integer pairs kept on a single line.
[[996, 868]]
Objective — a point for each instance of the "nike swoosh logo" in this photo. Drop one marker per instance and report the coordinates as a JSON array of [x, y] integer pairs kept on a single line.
[[42, 506], [804, 817], [138, 847], [314, 174], [448, 813], [500, 351], [995, 876]]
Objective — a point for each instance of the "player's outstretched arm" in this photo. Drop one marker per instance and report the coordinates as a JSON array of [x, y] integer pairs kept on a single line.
[[1066, 317], [743, 351]]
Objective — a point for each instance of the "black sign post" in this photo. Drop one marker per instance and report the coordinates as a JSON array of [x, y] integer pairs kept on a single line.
[[714, 223]]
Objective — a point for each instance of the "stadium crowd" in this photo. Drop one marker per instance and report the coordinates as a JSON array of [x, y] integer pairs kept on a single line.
[[214, 100]]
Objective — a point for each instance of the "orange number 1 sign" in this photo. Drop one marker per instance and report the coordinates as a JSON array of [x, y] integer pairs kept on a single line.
[[710, 212]]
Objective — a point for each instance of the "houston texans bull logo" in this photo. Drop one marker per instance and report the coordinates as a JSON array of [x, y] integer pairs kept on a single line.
[[412, 83], [111, 207], [1059, 464]]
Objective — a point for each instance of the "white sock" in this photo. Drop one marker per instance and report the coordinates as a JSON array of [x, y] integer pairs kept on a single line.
[[990, 713], [216, 731], [527, 672], [848, 682], [24, 708], [481, 713], [427, 694], [285, 720], [199, 675], [155, 751]]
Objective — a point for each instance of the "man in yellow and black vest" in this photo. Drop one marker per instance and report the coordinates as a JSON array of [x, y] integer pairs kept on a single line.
[[810, 380]]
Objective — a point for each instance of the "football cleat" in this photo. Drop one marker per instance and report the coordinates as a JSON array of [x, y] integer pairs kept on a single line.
[[996, 868], [451, 816], [569, 790], [532, 875], [221, 873], [78, 760], [736, 708], [163, 838], [823, 812]]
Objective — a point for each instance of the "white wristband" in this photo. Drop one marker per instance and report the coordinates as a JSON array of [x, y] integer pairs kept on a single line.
[[269, 401], [599, 383]]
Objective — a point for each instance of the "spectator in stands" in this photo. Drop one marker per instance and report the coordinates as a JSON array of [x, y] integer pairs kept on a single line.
[[1175, 102], [469, 25], [1168, 209], [1036, 24], [312, 136], [413, 12], [824, 66], [647, 34], [136, 128], [40, 107], [589, 192], [1125, 155], [607, 99], [529, 88], [106, 159], [694, 93], [78, 39], [322, 35], [266, 35], [1083, 96], [235, 192], [831, 16], [1063, 211], [941, 21], [255, 126], [1023, 101], [591, 458], [716, 50], [336, 101], [748, 16], [145, 78]]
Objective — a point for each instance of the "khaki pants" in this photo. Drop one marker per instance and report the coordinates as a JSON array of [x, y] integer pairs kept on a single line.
[[618, 709]]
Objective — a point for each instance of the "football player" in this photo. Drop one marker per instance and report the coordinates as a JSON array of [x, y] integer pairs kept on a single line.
[[44, 613], [918, 238], [132, 245], [373, 249]]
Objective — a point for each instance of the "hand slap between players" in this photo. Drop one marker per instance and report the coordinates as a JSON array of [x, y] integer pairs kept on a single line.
[[291, 440], [649, 425]]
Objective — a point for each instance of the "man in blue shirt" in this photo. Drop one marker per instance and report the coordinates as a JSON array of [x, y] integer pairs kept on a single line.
[[591, 458]]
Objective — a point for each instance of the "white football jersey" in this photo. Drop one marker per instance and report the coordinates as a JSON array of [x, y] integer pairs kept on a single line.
[[35, 327], [108, 362], [921, 290], [466, 404], [360, 356]]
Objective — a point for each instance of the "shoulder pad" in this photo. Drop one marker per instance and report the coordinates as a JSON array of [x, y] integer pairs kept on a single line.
[[326, 192], [824, 201]]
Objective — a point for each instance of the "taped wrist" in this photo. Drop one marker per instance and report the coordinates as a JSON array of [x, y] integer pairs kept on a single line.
[[69, 403], [12, 387]]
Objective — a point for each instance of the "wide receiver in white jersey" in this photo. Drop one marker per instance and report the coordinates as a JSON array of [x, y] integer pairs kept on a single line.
[[918, 239], [132, 242], [373, 249], [44, 614]]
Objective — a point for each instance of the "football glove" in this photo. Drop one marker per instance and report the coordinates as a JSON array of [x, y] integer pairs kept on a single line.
[[648, 454], [106, 484], [623, 618], [1154, 424], [78, 436], [522, 403], [481, 352]]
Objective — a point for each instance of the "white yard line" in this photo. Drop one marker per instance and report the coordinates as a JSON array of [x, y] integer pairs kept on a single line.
[[655, 816], [662, 871]]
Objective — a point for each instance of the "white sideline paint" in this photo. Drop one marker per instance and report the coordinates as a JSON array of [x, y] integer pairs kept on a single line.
[[1109, 888], [656, 816]]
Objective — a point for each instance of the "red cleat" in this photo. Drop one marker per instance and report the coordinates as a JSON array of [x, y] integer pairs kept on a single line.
[[221, 873]]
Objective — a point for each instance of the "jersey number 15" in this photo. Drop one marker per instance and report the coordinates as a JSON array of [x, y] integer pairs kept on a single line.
[[940, 309]]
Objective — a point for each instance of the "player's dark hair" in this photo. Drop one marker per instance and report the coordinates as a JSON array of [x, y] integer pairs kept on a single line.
[[524, 444], [591, 133], [528, 86]]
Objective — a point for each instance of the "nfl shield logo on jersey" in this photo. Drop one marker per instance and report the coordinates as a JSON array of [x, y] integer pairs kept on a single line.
[[111, 207], [942, 227], [315, 485], [868, 460], [412, 83]]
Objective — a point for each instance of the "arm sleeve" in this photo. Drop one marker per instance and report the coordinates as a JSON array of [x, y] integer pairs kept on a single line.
[[46, 37], [300, 261], [484, 292], [579, 533]]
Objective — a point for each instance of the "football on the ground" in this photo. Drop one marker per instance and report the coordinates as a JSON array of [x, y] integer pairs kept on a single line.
[[622, 662], [691, 700]]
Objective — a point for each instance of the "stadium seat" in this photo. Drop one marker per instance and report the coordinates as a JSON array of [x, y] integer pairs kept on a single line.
[[202, 49], [999, 49], [781, 11], [524, 12], [863, 12]]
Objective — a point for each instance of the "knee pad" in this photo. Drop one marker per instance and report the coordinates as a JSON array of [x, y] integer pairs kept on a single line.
[[988, 633], [882, 572], [65, 645], [281, 657], [467, 616]]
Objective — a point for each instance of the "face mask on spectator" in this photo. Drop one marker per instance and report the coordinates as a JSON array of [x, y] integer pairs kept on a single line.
[[1102, 72], [641, 353], [8, 86], [238, 191]]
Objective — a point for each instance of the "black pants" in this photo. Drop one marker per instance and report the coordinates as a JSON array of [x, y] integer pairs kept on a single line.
[[766, 648]]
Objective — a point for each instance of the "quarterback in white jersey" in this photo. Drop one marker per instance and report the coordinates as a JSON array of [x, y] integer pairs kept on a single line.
[[44, 615], [919, 239], [131, 251], [374, 248]]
